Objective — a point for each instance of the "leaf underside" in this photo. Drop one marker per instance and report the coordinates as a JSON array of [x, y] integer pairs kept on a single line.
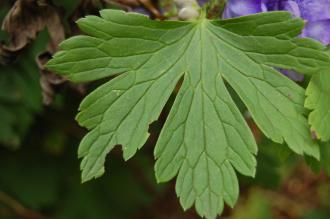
[[205, 138], [318, 100]]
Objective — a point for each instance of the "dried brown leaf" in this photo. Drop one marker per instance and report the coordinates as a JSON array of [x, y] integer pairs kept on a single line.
[[50, 82], [28, 17]]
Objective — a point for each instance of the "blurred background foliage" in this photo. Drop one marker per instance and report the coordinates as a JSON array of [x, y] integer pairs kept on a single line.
[[39, 169]]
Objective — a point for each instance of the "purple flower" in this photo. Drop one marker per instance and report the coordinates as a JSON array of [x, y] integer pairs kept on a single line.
[[319, 30], [236, 8], [316, 13], [310, 10]]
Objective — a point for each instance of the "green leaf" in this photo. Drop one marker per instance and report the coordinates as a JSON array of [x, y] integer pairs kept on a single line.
[[20, 100], [205, 138], [318, 100]]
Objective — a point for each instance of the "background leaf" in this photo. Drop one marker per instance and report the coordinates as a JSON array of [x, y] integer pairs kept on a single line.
[[318, 100]]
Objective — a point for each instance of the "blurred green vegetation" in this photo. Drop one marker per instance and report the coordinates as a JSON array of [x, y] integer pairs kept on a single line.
[[20, 94]]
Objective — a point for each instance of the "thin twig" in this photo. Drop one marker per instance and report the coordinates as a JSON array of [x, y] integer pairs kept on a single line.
[[18, 208]]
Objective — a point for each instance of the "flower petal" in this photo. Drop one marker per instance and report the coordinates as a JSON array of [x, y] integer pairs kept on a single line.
[[319, 30], [291, 6], [293, 75], [314, 10], [236, 8], [270, 5]]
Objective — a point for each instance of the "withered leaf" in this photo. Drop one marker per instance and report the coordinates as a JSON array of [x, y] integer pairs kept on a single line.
[[26, 18]]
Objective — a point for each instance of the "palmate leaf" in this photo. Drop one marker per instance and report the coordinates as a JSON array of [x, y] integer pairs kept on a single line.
[[318, 100], [205, 138]]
